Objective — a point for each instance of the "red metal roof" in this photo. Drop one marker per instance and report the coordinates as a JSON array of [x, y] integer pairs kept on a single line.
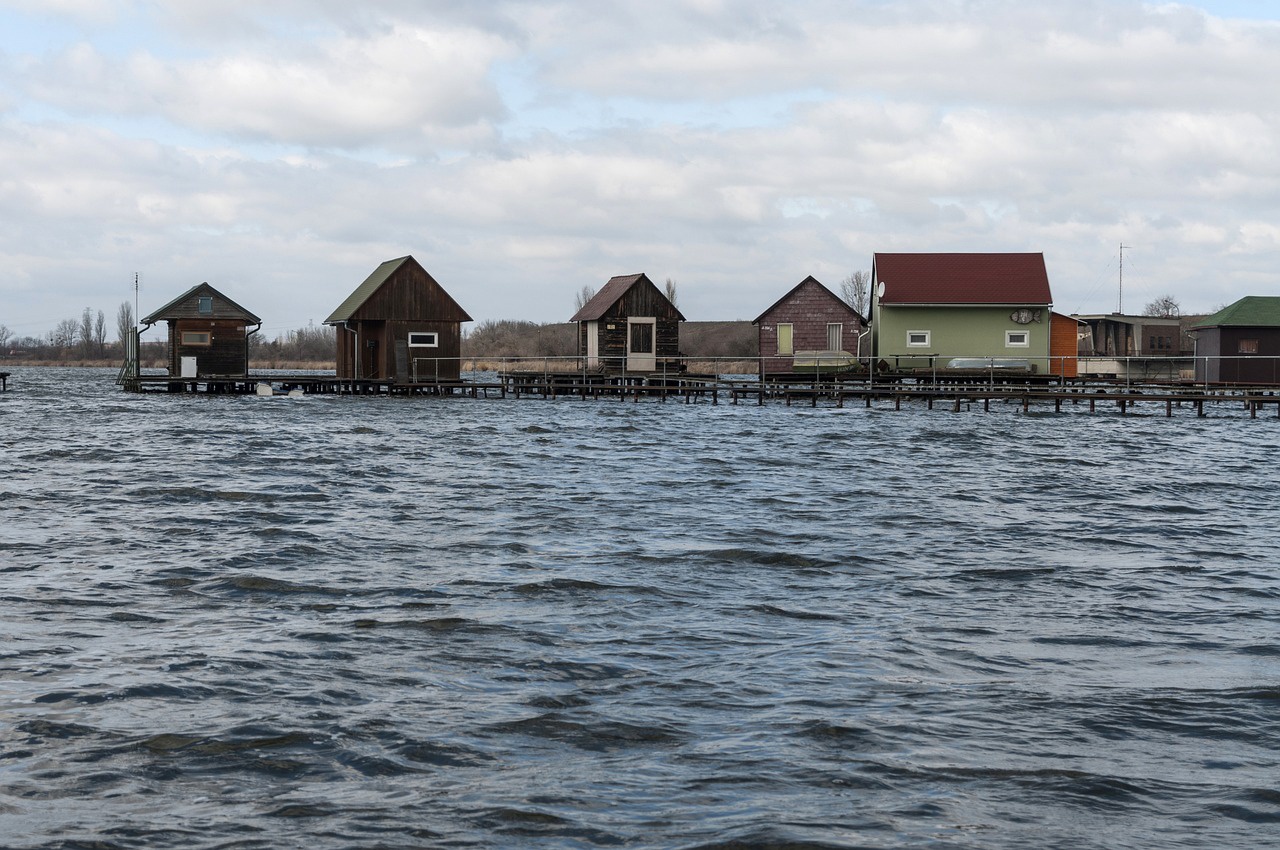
[[962, 278]]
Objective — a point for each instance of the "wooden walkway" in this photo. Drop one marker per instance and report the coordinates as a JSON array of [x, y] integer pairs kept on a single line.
[[894, 393]]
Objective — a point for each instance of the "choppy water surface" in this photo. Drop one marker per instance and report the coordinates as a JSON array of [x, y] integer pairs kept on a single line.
[[339, 622]]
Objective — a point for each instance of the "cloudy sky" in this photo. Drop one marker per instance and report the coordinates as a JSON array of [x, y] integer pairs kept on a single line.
[[521, 150]]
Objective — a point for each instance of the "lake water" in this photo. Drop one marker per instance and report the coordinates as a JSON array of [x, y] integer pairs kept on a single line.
[[340, 622]]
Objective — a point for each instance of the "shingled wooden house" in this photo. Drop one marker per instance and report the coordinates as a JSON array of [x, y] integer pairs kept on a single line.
[[208, 334], [629, 325], [399, 325], [809, 329]]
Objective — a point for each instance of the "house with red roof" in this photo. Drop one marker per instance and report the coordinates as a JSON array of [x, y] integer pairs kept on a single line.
[[964, 310], [629, 326]]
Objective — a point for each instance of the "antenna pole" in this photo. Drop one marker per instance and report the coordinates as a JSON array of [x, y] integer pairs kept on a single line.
[[135, 299], [1120, 297]]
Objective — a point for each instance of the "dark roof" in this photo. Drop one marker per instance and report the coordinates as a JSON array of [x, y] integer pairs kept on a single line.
[[374, 282], [792, 291], [962, 279], [1252, 311], [186, 306], [610, 294]]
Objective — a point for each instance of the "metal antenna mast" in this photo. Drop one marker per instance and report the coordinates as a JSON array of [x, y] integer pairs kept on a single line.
[[1120, 297]]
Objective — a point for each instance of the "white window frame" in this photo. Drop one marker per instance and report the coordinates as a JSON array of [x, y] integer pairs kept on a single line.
[[924, 343], [434, 343], [1009, 336], [206, 338], [839, 326]]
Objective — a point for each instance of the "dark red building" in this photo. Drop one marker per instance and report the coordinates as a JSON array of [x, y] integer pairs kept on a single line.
[[809, 328]]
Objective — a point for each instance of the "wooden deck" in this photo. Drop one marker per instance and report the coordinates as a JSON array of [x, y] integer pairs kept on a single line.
[[893, 391], [4, 381]]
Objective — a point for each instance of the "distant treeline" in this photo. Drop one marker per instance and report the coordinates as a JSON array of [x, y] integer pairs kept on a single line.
[[85, 340], [495, 338]]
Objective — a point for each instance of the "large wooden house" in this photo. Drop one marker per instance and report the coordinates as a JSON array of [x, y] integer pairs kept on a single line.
[[938, 310], [208, 334], [809, 329], [399, 325], [1240, 343], [629, 325]]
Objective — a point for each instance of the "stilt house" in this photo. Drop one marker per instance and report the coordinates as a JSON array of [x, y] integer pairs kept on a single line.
[[938, 310], [1240, 343], [629, 325], [208, 334], [399, 325], [810, 329]]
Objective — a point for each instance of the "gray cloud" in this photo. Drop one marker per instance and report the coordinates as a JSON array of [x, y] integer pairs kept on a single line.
[[521, 150]]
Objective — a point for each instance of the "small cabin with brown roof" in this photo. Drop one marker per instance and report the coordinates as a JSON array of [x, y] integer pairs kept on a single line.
[[809, 329], [629, 325], [399, 325], [208, 334]]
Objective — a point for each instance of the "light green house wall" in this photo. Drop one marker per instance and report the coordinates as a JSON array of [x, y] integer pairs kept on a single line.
[[956, 331]]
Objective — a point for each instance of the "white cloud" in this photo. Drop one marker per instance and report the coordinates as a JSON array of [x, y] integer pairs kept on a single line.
[[521, 150]]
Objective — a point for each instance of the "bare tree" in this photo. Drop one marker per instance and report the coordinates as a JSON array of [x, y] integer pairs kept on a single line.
[[5, 333], [584, 295], [100, 333], [669, 290], [854, 290], [1165, 307], [64, 334], [85, 333], [124, 321]]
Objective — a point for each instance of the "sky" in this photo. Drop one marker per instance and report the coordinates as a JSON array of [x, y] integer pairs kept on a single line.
[[522, 150]]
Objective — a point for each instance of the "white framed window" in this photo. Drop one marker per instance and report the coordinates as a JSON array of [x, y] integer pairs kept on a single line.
[[918, 339], [424, 339], [785, 338], [196, 338], [835, 336], [1017, 339]]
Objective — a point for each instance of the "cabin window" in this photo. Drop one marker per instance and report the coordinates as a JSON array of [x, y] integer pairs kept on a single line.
[[785, 338], [835, 334], [205, 305], [1017, 339], [1248, 346], [918, 338], [196, 338], [424, 339]]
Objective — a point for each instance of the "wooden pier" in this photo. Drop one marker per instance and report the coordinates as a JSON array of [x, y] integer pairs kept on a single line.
[[892, 391], [4, 381]]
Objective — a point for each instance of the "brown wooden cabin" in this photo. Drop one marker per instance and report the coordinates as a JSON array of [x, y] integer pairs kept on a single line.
[[399, 325], [1240, 343], [629, 325], [809, 329], [208, 334]]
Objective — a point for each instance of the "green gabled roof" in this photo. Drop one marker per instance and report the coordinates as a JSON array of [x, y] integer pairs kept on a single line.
[[1252, 311], [381, 275], [371, 283]]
